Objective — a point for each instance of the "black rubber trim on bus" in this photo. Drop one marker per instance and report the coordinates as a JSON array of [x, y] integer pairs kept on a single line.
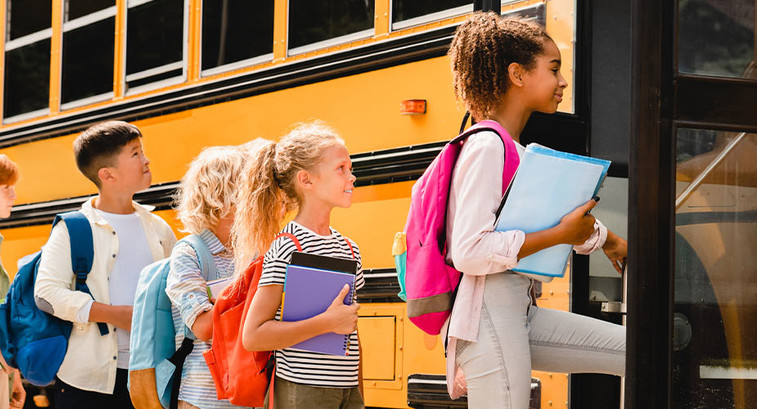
[[370, 168], [381, 286]]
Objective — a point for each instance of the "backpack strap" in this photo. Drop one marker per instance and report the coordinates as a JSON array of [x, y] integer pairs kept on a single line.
[[207, 269], [512, 159], [290, 236], [178, 358], [204, 255], [82, 251], [351, 249]]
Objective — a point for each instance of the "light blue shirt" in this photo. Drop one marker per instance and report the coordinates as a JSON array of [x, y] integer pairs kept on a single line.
[[187, 290]]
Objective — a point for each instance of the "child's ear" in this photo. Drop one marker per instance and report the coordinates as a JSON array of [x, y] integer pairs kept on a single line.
[[105, 175], [515, 73], [304, 179]]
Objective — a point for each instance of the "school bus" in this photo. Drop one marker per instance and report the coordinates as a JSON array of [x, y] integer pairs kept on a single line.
[[196, 73]]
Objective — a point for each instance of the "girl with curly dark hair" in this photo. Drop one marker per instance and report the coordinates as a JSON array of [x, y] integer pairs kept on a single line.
[[505, 69]]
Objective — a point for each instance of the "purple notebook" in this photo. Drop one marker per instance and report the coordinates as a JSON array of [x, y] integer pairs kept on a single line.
[[309, 292]]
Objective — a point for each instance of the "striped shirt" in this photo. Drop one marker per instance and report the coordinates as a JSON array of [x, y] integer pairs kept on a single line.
[[187, 290], [306, 367]]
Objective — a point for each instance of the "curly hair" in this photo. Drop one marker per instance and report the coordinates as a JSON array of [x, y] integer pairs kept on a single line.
[[483, 48], [208, 190], [268, 186]]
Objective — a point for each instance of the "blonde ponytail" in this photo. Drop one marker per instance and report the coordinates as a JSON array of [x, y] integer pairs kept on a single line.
[[258, 206], [268, 187]]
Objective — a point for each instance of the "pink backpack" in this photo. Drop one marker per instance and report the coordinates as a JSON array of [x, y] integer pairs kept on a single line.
[[430, 283]]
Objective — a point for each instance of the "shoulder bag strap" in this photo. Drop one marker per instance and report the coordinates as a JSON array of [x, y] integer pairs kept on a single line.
[[291, 236], [82, 251], [207, 264]]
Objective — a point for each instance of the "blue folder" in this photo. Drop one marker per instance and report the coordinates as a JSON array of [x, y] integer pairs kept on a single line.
[[549, 184]]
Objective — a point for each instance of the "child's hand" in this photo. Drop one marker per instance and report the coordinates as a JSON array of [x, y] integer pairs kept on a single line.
[[578, 225], [616, 249], [342, 318], [18, 394]]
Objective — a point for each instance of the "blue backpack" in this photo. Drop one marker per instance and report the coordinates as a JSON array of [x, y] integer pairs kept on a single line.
[[32, 340], [155, 364]]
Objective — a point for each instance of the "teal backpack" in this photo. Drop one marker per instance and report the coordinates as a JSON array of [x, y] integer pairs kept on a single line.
[[155, 365]]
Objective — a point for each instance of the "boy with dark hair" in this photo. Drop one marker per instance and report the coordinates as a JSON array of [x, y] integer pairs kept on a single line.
[[126, 237]]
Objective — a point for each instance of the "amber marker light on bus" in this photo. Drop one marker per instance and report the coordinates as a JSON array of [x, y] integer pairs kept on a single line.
[[413, 107]]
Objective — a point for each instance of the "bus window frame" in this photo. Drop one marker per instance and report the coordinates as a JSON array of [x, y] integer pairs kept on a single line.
[[249, 62], [67, 26], [427, 18], [331, 42], [151, 86], [17, 43]]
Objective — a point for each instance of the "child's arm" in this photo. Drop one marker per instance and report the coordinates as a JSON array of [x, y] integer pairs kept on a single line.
[[117, 315], [203, 326], [263, 333]]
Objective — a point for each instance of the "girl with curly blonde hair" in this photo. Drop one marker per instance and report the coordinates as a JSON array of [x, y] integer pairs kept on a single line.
[[205, 206]]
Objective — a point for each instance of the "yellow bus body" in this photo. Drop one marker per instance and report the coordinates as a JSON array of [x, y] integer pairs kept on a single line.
[[364, 109]]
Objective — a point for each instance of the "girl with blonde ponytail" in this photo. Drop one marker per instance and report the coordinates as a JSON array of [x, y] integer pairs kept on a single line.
[[309, 171]]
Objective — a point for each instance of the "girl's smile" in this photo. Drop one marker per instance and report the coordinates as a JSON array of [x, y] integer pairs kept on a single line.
[[544, 80]]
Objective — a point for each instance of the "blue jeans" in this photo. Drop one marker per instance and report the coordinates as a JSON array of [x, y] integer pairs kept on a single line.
[[515, 337]]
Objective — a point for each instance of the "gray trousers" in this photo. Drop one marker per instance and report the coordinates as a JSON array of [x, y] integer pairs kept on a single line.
[[515, 337]]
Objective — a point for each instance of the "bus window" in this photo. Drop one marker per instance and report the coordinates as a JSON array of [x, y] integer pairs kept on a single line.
[[318, 24], [715, 356], [80, 8], [717, 37], [27, 17], [88, 52], [408, 13], [235, 31], [27, 59], [155, 42]]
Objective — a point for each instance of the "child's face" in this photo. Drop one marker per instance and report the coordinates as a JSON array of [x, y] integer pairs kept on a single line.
[[132, 168], [544, 81], [7, 197], [333, 179]]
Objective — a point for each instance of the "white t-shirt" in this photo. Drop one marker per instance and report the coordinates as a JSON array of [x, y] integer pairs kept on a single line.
[[133, 255]]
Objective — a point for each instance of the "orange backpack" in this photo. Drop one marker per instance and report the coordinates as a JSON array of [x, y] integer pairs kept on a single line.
[[239, 375]]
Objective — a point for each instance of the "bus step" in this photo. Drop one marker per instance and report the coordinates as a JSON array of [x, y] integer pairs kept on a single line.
[[429, 391]]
